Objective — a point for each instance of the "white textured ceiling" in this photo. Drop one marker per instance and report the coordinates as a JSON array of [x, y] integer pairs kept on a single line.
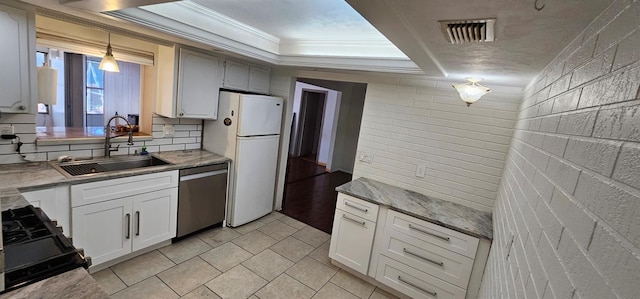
[[526, 39], [331, 34], [298, 19]]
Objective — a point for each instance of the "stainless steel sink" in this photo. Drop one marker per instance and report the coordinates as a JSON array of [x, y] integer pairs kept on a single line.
[[98, 165]]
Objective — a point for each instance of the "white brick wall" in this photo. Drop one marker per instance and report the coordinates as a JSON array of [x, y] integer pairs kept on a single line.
[[570, 192], [187, 136], [463, 148]]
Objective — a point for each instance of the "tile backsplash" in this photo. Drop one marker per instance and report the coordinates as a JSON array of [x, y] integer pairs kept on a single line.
[[188, 135]]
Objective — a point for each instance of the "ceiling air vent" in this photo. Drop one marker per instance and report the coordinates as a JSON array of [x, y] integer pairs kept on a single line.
[[468, 31]]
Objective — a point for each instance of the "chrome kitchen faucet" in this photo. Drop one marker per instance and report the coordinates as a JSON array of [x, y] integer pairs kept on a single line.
[[107, 138]]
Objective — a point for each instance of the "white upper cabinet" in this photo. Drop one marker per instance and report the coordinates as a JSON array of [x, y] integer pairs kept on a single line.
[[236, 75], [259, 79], [188, 83], [244, 77], [17, 58]]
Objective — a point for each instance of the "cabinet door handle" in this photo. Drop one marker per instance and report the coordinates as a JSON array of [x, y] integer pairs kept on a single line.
[[353, 220], [346, 203], [422, 257], [128, 219], [434, 294], [137, 223], [429, 233]]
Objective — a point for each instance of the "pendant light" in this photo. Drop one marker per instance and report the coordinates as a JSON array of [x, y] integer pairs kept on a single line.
[[47, 82], [108, 62], [471, 91]]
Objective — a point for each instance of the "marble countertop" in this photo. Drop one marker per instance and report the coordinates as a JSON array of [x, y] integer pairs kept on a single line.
[[448, 214], [39, 175]]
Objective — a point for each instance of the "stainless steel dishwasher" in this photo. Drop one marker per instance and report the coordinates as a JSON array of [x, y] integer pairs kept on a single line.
[[202, 195]]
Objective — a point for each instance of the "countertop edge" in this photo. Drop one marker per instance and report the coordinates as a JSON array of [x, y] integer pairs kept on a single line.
[[392, 206], [58, 179]]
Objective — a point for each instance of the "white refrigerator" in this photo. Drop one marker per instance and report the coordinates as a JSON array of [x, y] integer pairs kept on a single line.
[[248, 132]]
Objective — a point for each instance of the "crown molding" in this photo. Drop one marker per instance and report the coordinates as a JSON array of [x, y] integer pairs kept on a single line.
[[386, 65], [189, 20], [370, 48]]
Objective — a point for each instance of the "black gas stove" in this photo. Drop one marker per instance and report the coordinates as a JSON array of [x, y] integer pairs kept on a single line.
[[34, 248]]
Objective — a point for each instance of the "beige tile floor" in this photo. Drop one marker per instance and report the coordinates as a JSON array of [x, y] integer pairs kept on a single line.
[[273, 257]]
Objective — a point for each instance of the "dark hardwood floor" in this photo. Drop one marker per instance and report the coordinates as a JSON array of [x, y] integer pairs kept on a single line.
[[312, 199], [300, 169]]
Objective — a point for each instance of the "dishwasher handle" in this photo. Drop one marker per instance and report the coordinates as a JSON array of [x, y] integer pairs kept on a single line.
[[202, 175]]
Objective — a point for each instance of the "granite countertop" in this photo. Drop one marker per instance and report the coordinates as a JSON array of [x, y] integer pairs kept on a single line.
[[72, 284], [448, 214], [39, 175], [76, 283]]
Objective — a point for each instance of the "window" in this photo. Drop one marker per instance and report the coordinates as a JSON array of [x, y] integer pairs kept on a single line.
[[94, 87], [88, 96]]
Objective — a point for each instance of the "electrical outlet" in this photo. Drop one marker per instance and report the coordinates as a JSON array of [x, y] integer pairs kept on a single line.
[[366, 157], [420, 170], [168, 130], [6, 130]]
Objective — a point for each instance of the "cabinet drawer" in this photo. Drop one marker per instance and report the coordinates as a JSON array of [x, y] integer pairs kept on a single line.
[[414, 283], [351, 241], [434, 260], [434, 234], [83, 194], [358, 207]]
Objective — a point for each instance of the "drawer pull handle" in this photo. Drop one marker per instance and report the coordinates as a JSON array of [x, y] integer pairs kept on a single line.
[[353, 220], [128, 217], [422, 257], [429, 233], [137, 223], [346, 203], [434, 294]]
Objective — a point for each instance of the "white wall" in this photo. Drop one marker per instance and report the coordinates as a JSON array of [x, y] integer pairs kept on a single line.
[[463, 148], [283, 85], [567, 217]]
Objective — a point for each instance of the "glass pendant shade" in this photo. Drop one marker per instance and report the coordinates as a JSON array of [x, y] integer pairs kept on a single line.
[[108, 62], [472, 91]]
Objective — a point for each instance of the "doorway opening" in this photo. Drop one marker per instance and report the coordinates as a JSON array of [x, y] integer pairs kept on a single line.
[[310, 126], [322, 150]]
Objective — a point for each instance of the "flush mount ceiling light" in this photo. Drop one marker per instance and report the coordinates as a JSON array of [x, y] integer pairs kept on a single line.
[[472, 91], [108, 62]]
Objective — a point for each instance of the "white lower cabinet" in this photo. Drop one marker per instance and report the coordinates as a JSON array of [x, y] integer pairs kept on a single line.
[[413, 282], [111, 227], [114, 228], [154, 217], [55, 202], [351, 241], [412, 256], [103, 229]]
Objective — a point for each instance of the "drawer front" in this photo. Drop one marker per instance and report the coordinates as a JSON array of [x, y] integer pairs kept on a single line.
[[433, 234], [83, 194], [414, 283], [434, 260], [351, 241], [358, 207]]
